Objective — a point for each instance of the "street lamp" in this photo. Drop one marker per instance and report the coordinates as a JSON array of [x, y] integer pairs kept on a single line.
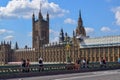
[[67, 47], [68, 59]]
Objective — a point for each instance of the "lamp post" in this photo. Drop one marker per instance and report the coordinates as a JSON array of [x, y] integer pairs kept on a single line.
[[68, 60]]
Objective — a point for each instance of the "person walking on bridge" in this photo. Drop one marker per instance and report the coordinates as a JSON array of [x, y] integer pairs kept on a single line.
[[41, 64]]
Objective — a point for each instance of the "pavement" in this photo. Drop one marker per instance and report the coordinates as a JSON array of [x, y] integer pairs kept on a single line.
[[97, 75]]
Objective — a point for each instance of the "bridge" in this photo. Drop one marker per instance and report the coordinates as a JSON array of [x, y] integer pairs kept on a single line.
[[15, 71]]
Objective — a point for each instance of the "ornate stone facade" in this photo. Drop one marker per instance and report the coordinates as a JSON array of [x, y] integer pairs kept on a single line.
[[58, 52]]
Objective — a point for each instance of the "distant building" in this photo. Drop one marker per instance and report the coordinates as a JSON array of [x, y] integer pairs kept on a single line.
[[79, 46]]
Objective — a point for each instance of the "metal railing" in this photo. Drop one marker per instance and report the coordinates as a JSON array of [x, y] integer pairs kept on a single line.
[[57, 67], [8, 72]]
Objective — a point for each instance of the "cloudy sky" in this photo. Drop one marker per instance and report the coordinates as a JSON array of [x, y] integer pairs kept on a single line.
[[100, 18]]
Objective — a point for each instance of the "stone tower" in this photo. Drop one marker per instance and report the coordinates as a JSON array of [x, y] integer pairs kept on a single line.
[[61, 36], [40, 30], [5, 52], [80, 31]]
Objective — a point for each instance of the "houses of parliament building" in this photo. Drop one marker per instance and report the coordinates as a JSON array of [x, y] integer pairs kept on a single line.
[[79, 46]]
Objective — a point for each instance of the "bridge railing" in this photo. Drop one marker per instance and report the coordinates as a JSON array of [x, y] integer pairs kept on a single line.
[[32, 68], [107, 65], [56, 67]]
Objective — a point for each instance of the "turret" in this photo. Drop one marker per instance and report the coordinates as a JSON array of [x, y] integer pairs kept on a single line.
[[10, 43], [80, 31], [66, 36], [33, 18], [73, 34], [16, 46], [40, 16], [47, 17], [80, 22], [61, 38], [4, 42]]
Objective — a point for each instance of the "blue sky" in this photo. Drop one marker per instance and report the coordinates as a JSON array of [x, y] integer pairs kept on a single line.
[[100, 18]]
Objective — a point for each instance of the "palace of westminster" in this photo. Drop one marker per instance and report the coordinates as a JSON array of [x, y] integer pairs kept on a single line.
[[78, 46]]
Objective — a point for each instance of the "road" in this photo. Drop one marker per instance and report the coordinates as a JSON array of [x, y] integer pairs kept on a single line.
[[99, 75]]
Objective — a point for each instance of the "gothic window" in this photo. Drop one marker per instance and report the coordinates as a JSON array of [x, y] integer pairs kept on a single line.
[[116, 50], [97, 51], [88, 51], [110, 51], [101, 50], [106, 50]]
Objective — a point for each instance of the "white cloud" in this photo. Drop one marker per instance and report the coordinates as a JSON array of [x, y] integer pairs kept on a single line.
[[117, 15], [89, 30], [105, 29], [2, 31], [25, 8], [54, 35], [69, 21], [8, 38], [55, 39]]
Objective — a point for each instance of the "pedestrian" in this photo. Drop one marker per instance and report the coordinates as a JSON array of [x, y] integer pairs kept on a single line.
[[101, 63], [27, 65], [77, 65], [41, 64], [84, 63], [104, 63], [87, 63], [23, 65]]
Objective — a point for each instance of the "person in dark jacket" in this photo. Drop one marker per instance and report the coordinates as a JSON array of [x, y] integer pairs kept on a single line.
[[23, 65], [41, 64]]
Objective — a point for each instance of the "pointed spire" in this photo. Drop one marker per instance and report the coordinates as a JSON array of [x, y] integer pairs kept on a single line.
[[33, 17], [73, 33], [40, 14], [80, 28], [80, 22], [61, 30], [66, 35], [4, 42], [79, 13], [16, 46], [10, 43], [40, 6], [47, 16], [61, 36]]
